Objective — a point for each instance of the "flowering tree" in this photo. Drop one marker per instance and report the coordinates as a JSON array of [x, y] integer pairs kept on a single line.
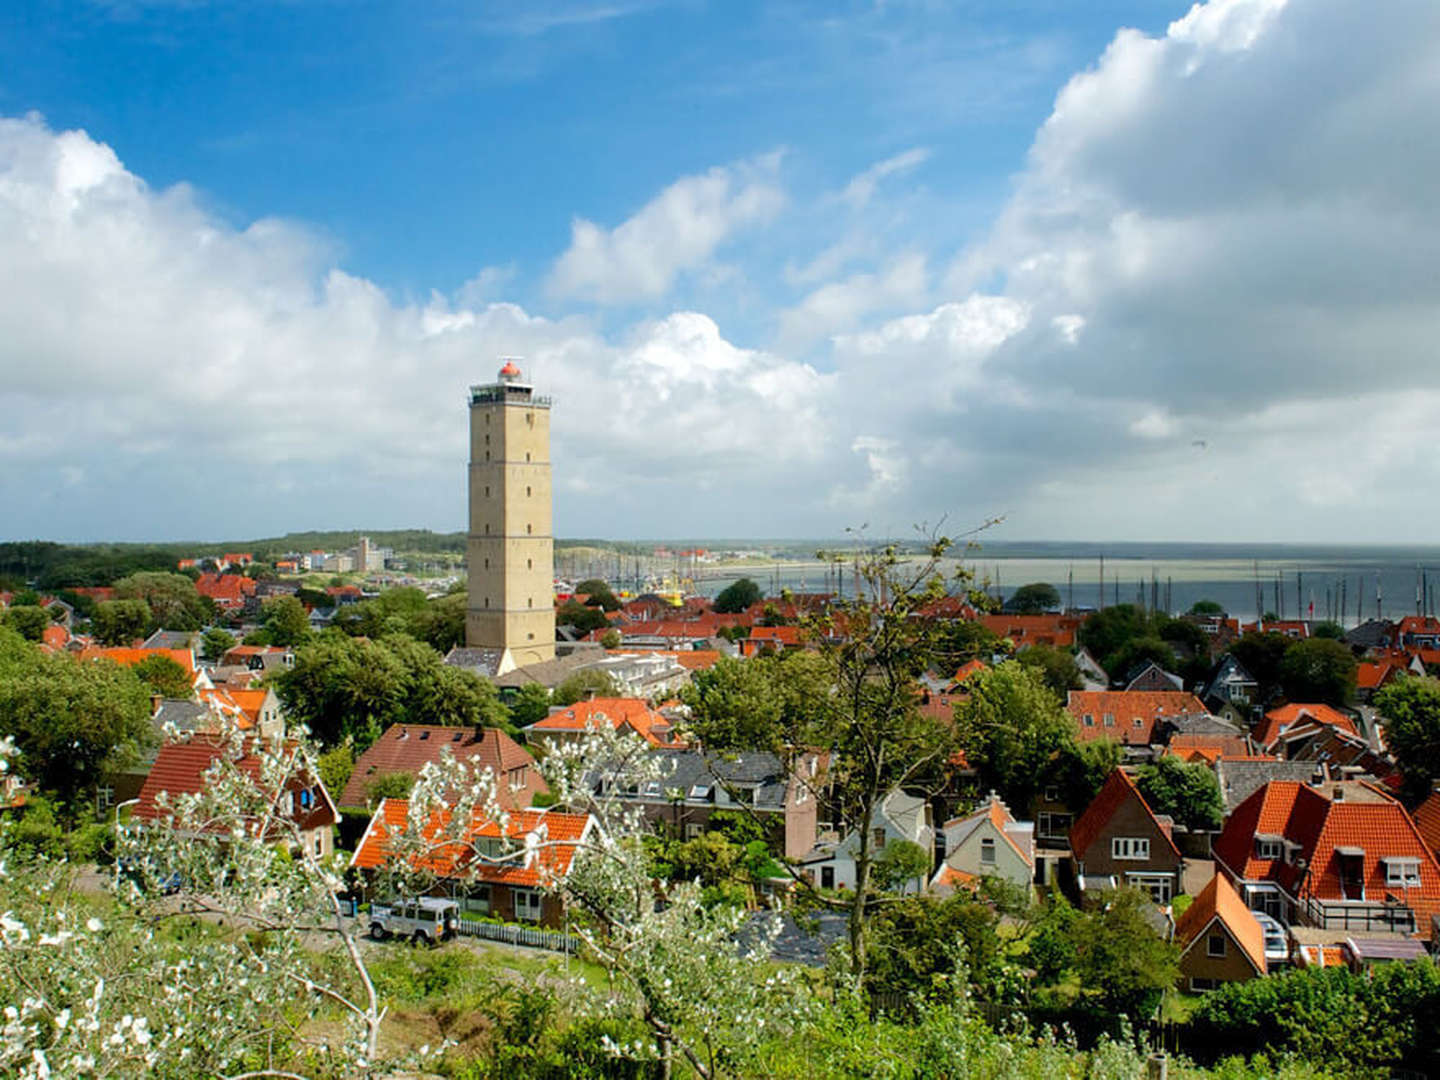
[[699, 977], [252, 984]]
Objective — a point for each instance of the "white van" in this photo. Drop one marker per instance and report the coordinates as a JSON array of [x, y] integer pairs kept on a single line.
[[428, 919]]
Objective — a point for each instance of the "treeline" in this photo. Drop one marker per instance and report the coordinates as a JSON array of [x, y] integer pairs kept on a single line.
[[54, 566]]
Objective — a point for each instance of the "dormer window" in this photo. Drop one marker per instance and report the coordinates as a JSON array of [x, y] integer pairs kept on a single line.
[[1267, 847], [1401, 872]]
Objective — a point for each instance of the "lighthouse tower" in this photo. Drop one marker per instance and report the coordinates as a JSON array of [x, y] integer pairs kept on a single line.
[[511, 548]]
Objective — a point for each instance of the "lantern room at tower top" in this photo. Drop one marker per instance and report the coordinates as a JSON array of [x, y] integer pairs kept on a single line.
[[509, 388]]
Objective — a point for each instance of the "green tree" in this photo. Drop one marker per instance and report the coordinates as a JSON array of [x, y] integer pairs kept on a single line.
[[215, 643], [285, 620], [738, 596], [162, 675], [902, 863], [1318, 669], [1123, 963], [598, 594], [1206, 607], [71, 720], [1080, 770], [441, 623], [1328, 629], [962, 641], [1033, 599], [1411, 709], [1056, 666], [582, 618], [335, 766], [590, 682], [1107, 631], [173, 602], [529, 705], [750, 703], [1138, 651], [29, 622], [1261, 655], [1012, 727], [611, 639], [120, 622], [1189, 793], [935, 949], [351, 688], [389, 785]]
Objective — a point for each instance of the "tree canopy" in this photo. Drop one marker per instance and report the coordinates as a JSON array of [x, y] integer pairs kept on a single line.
[[1012, 726], [71, 720], [586, 683], [120, 622], [1033, 599], [1056, 666], [1188, 792], [173, 602], [285, 621], [1411, 708], [162, 675], [1318, 669], [737, 596], [351, 688], [598, 593]]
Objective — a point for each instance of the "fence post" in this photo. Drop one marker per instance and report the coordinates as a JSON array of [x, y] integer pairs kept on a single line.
[[1157, 1067]]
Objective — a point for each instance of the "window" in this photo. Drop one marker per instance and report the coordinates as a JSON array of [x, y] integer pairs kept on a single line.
[[477, 899], [1109, 719], [700, 791], [1159, 886], [529, 564], [987, 852], [1052, 794], [1267, 847], [528, 530], [104, 797], [527, 492], [527, 455], [319, 844], [1053, 826], [1215, 945], [1129, 847], [1402, 871], [487, 491], [693, 829], [877, 837], [527, 904], [307, 799], [1089, 720], [1202, 985], [827, 877]]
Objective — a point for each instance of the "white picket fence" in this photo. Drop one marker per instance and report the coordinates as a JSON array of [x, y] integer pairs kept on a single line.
[[521, 935]]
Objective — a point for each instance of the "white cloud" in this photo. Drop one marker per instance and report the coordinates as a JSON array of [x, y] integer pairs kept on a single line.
[[861, 189], [679, 230], [840, 305], [178, 374]]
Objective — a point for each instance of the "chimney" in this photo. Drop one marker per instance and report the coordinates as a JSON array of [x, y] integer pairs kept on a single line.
[[154, 704], [1337, 794]]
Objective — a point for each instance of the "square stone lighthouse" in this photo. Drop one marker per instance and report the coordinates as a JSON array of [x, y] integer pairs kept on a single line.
[[511, 549]]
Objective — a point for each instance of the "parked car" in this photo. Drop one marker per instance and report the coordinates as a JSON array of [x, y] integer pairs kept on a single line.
[[428, 920], [1277, 944]]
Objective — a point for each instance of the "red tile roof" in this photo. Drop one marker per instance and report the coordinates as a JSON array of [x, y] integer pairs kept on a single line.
[[1057, 630], [1367, 819], [407, 748], [225, 589], [1296, 715], [130, 657], [1427, 820], [1116, 791], [1207, 748], [634, 713], [559, 834], [1134, 712], [1220, 900], [1373, 674]]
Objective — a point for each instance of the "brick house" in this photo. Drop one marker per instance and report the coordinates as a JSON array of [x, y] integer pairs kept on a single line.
[[1119, 841], [407, 748], [1220, 939], [180, 769]]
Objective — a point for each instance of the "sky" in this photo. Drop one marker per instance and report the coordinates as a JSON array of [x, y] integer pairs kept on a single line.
[[1122, 270]]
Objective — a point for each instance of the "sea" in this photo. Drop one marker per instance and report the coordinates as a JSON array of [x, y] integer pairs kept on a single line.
[[1346, 584]]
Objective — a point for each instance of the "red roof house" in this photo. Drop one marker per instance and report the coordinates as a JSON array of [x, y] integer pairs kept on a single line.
[[1130, 717], [407, 748], [1119, 840], [1339, 854], [497, 868]]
